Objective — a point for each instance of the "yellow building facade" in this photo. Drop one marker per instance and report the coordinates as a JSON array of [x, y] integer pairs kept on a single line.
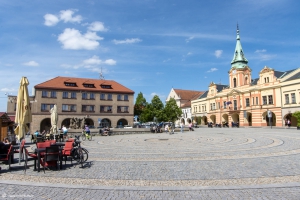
[[248, 101]]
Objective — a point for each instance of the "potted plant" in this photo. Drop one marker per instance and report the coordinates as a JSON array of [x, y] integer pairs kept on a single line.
[[297, 116]]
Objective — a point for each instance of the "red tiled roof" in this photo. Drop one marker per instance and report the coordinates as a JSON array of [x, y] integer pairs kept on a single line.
[[188, 94], [4, 117], [12, 118], [59, 83]]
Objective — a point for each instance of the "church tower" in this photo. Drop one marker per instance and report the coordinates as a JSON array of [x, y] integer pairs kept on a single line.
[[240, 73]]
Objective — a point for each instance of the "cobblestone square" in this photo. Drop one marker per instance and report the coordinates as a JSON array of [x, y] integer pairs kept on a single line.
[[208, 163]]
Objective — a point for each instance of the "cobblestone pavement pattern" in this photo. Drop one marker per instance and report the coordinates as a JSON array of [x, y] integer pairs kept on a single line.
[[215, 163]]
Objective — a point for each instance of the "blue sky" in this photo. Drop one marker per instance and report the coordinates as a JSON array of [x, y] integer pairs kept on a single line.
[[149, 46]]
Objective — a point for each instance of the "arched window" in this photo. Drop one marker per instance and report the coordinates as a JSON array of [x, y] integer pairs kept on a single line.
[[234, 82], [246, 80]]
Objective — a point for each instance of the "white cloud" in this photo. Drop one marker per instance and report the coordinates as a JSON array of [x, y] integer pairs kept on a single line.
[[212, 70], [96, 61], [67, 16], [218, 53], [260, 51], [189, 53], [189, 39], [127, 41], [50, 20], [110, 62], [31, 63], [73, 39], [92, 61], [97, 26]]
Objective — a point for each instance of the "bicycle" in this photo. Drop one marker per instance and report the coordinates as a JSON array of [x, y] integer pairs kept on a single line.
[[79, 153], [86, 135]]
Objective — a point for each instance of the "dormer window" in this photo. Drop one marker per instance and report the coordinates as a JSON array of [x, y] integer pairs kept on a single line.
[[70, 84], [88, 85], [105, 86]]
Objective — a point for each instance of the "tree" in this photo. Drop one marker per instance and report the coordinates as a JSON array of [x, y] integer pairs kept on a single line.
[[172, 111], [297, 116], [140, 104], [157, 108]]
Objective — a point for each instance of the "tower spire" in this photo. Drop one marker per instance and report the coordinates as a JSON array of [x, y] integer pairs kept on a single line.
[[239, 60], [101, 77]]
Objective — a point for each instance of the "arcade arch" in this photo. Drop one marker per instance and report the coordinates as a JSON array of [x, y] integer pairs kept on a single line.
[[213, 118], [225, 118], [290, 117], [273, 119], [235, 117], [105, 123], [122, 122], [45, 125]]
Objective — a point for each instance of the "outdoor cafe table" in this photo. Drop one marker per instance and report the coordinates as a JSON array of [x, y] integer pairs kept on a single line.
[[41, 150]]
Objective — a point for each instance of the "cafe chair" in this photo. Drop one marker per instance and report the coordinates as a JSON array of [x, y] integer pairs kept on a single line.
[[52, 141], [67, 151], [32, 156], [7, 157], [51, 157]]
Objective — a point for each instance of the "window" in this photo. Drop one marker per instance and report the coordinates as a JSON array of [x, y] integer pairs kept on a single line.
[[265, 100], [234, 104], [53, 94], [252, 100], [256, 98], [65, 95], [214, 106], [211, 106], [109, 97], [46, 107], [224, 104], [270, 98], [88, 85], [73, 108], [122, 109], [73, 95], [91, 108], [70, 84], [234, 82], [44, 94], [65, 107], [92, 96], [102, 96], [68, 108], [84, 95], [293, 97], [106, 86], [247, 102], [246, 80], [88, 108], [105, 109], [125, 97], [287, 100], [119, 97]]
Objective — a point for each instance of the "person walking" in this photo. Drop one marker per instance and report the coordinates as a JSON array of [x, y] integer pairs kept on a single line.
[[166, 128], [181, 127]]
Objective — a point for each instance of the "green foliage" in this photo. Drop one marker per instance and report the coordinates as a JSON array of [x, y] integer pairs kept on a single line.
[[140, 104], [156, 109], [172, 112], [297, 116]]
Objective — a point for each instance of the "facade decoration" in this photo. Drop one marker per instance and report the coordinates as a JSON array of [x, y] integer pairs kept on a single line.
[[246, 100]]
